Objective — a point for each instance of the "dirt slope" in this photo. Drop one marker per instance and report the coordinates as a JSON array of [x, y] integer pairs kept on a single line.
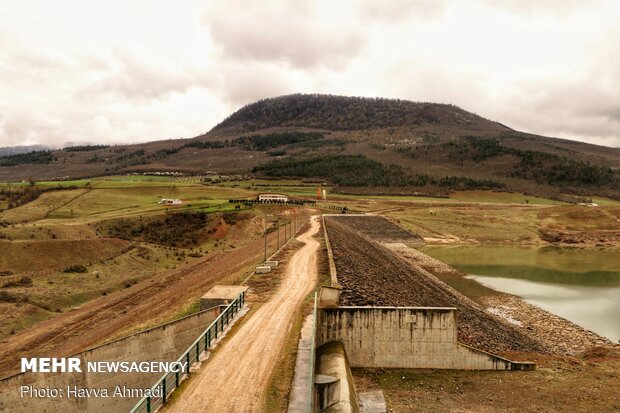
[[237, 376], [144, 304]]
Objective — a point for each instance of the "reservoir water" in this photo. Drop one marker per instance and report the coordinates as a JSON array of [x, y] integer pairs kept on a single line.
[[579, 284]]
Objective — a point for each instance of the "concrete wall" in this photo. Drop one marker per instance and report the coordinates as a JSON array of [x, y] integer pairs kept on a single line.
[[329, 296], [339, 396], [333, 274], [402, 337], [164, 343]]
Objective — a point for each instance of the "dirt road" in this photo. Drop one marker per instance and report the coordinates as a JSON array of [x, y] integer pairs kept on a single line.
[[235, 379]]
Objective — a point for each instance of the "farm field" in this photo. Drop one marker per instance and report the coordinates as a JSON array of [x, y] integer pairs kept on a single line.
[[54, 254]]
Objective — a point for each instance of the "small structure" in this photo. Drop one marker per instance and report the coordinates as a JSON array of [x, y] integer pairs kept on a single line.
[[270, 197], [262, 269], [167, 201], [221, 295]]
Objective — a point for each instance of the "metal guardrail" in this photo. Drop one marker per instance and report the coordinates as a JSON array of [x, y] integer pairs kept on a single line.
[[169, 382]]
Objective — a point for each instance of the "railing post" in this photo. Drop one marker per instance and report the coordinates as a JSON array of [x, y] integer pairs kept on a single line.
[[198, 350], [176, 379], [187, 360], [208, 338], [148, 404], [163, 385]]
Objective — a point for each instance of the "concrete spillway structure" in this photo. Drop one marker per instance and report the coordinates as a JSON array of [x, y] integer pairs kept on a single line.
[[405, 337]]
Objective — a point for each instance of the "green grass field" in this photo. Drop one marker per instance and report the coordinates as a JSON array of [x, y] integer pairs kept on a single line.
[[109, 202]]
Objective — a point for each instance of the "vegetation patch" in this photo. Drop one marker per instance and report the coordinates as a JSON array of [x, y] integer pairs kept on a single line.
[[19, 282], [343, 113], [76, 268], [85, 148], [535, 166], [270, 141], [183, 229], [359, 171], [34, 157], [16, 196]]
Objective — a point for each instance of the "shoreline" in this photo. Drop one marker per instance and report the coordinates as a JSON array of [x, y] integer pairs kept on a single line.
[[556, 334], [559, 335]]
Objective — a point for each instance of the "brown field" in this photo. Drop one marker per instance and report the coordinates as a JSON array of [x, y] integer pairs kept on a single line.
[[46, 255], [586, 383]]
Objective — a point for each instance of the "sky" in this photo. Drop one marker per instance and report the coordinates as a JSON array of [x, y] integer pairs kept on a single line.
[[142, 70]]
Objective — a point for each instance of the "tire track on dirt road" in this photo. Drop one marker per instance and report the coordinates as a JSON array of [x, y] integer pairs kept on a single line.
[[236, 378]]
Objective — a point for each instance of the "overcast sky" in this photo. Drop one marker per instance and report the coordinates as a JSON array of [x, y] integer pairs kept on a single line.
[[129, 71]]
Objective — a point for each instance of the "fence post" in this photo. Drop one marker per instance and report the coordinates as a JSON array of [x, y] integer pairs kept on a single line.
[[198, 350], [148, 404], [177, 374], [187, 360], [163, 385]]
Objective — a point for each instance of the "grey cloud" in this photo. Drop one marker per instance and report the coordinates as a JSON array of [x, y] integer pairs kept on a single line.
[[559, 8], [237, 86], [139, 81], [396, 11], [28, 128], [289, 34], [572, 109], [428, 82]]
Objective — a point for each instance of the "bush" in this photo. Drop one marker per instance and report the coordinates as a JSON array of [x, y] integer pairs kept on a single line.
[[22, 282], [7, 297], [76, 268]]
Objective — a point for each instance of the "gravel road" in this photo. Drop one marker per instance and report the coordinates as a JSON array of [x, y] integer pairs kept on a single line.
[[236, 378]]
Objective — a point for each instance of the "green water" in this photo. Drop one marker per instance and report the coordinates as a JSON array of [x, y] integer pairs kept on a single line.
[[579, 284]]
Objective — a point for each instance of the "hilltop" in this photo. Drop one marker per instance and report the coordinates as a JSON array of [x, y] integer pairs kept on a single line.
[[362, 145], [341, 113]]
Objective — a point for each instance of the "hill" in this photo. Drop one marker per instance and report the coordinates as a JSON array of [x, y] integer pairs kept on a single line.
[[340, 113], [359, 144], [15, 150]]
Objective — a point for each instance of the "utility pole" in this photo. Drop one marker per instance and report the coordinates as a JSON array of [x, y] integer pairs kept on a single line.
[[265, 242]]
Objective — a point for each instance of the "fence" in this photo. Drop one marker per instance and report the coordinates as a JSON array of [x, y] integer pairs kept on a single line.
[[169, 382], [270, 201]]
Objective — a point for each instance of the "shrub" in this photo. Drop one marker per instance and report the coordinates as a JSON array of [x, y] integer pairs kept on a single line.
[[76, 268], [22, 282]]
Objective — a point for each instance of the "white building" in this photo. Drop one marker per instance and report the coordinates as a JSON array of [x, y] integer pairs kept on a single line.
[[166, 201], [269, 197]]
